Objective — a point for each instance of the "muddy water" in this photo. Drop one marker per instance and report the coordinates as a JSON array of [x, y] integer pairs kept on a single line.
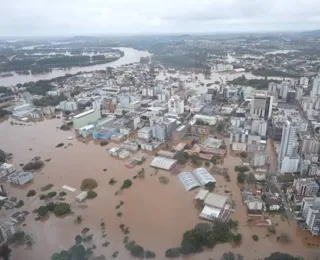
[[157, 214]]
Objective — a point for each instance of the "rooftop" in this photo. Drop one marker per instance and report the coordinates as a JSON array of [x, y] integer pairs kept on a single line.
[[215, 200], [84, 113]]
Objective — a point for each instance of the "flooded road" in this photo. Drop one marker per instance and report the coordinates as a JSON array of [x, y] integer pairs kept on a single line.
[[157, 214]]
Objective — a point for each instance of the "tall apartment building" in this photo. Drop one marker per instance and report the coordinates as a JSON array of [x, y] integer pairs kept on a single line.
[[288, 141], [306, 187], [261, 105], [176, 105], [68, 106], [315, 87], [304, 81], [6, 231], [310, 211]]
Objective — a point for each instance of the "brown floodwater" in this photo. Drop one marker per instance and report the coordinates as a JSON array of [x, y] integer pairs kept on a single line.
[[156, 214]]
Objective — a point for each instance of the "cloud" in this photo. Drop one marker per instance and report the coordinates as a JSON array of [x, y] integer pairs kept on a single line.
[[70, 17]]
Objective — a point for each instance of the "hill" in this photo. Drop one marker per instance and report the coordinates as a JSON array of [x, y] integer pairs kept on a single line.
[[315, 33]]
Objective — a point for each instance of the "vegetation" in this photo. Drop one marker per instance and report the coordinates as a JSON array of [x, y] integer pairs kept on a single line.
[[173, 252], [250, 178], [112, 181], [62, 193], [237, 238], [241, 177], [31, 193], [182, 157], [210, 186], [89, 184], [137, 251], [92, 194], [255, 238], [284, 238], [33, 166], [233, 224], [42, 211], [207, 164], [274, 73], [48, 101], [78, 239], [231, 256], [119, 214], [241, 168], [85, 230], [79, 219], [51, 206], [61, 209], [47, 187], [42, 197], [255, 83], [282, 256], [126, 184], [51, 194], [164, 180]]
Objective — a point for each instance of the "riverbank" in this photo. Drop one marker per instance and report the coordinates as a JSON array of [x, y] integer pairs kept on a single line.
[[130, 56]]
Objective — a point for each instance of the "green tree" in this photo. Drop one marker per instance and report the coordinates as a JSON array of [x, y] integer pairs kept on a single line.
[[250, 178], [210, 186], [51, 206], [31, 193], [92, 194], [282, 256], [172, 252], [255, 237], [88, 184], [42, 211], [126, 184], [137, 251], [61, 209], [241, 177]]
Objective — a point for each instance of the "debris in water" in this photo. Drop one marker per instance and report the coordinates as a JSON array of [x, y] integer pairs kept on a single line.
[[48, 160], [60, 145]]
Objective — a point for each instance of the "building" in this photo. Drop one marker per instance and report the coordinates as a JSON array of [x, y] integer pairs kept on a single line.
[[199, 129], [162, 130], [68, 106], [210, 120], [49, 110], [315, 87], [259, 159], [88, 117], [288, 141], [86, 130], [203, 176], [179, 133], [82, 196], [176, 105], [145, 133], [20, 178], [306, 187], [261, 105], [6, 169], [163, 163], [6, 231], [259, 127], [215, 206], [310, 209], [304, 81], [290, 164], [188, 180]]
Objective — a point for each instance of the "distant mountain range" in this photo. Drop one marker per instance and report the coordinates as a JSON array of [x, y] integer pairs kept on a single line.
[[315, 33]]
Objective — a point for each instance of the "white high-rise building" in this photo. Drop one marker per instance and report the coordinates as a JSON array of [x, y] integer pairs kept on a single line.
[[176, 105], [261, 105], [68, 106], [304, 81], [288, 140], [315, 87]]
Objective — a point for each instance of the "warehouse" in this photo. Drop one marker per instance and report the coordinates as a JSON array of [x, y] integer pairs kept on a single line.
[[163, 163], [86, 118], [188, 180], [203, 176]]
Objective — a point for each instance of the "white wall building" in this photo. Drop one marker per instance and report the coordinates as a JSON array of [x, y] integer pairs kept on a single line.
[[176, 105], [304, 81], [6, 169], [306, 187], [261, 104], [86, 118], [315, 87], [68, 106], [288, 140], [20, 178], [145, 133], [290, 164], [259, 159], [6, 231]]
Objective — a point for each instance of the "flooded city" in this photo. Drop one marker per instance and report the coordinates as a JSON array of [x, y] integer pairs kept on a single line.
[[156, 214]]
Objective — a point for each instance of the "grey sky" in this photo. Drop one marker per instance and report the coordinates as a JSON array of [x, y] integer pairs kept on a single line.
[[90, 17]]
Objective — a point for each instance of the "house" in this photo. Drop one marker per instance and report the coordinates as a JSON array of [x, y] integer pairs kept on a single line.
[[17, 217], [6, 169], [255, 208], [20, 178], [6, 231], [82, 196], [273, 204]]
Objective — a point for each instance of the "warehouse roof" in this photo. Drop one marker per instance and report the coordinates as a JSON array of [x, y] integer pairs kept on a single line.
[[215, 200], [163, 163], [84, 113], [203, 176], [201, 195], [188, 180]]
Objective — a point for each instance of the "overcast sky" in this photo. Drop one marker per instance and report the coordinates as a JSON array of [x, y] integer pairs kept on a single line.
[[92, 17]]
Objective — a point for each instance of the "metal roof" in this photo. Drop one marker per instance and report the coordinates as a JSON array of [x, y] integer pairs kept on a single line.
[[163, 163], [188, 180], [203, 176]]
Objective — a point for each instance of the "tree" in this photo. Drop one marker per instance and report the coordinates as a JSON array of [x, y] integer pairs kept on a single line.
[[251, 178], [61, 209], [214, 161], [282, 256], [207, 164], [284, 238], [191, 242], [51, 206], [173, 252], [88, 184], [31, 193], [233, 224], [78, 239], [92, 194], [255, 238], [241, 168], [137, 251], [42, 211], [5, 252], [241, 177], [78, 219], [126, 184], [231, 256]]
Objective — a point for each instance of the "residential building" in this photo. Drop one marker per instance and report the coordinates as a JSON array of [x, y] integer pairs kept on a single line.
[[88, 117], [49, 110], [6, 231], [259, 159], [68, 106], [261, 105], [310, 209], [290, 164], [304, 81], [162, 131], [20, 178], [176, 105], [210, 120], [288, 141], [179, 133], [6, 169], [259, 127], [315, 87], [145, 133], [86, 130], [306, 187]]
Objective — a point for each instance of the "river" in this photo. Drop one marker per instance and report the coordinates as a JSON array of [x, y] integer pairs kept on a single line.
[[130, 56]]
